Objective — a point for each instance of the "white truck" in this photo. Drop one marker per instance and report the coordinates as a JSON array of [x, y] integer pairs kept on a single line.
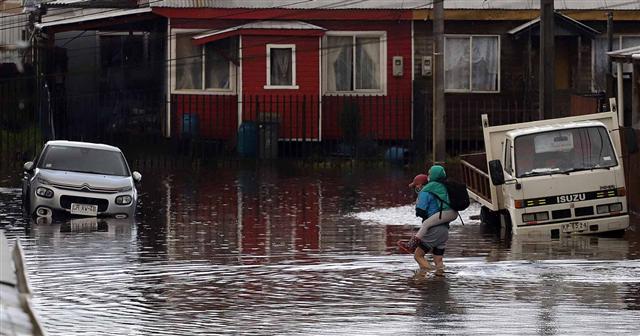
[[552, 177]]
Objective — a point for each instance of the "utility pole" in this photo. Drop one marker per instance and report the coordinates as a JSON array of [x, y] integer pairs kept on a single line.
[[609, 48], [547, 58], [439, 114]]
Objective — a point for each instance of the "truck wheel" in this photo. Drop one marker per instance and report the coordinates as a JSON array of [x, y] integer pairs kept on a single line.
[[489, 217]]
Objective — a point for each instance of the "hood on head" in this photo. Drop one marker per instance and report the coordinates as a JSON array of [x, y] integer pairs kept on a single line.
[[436, 173]]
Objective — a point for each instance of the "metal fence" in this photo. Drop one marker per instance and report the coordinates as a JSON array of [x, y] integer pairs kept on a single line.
[[153, 127]]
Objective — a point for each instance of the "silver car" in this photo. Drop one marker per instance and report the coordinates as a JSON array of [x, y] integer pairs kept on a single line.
[[80, 178]]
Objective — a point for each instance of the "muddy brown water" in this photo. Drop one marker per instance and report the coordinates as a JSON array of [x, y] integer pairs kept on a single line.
[[298, 252]]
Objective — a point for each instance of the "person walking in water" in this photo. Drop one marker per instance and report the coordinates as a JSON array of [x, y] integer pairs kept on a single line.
[[432, 206]]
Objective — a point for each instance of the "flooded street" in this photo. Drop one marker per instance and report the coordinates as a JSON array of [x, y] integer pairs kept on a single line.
[[299, 252]]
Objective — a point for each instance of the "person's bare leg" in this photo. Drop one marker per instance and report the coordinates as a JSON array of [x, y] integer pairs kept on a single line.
[[419, 256], [439, 261]]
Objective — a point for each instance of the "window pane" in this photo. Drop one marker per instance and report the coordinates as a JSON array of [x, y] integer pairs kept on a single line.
[[456, 63], [188, 63], [368, 63], [485, 63], [216, 65], [281, 66], [339, 63]]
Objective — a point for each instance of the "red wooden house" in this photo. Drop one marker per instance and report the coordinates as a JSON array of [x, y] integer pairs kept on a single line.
[[298, 66]]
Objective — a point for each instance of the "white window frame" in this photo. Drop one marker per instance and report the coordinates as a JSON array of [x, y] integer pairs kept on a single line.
[[471, 36], [382, 35], [204, 91], [294, 83]]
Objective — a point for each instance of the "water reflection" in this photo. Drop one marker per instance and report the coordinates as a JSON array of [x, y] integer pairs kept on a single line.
[[275, 252]]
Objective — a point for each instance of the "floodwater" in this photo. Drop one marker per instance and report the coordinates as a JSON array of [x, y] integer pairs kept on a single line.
[[298, 252]]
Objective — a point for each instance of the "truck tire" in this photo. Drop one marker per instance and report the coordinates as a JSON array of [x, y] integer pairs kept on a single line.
[[489, 217]]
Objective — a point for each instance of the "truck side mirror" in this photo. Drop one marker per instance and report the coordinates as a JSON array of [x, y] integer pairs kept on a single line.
[[630, 139], [496, 172]]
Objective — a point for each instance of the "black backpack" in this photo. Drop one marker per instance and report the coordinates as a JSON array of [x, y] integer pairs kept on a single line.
[[458, 195]]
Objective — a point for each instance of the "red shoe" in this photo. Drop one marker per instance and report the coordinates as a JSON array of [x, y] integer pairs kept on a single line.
[[408, 247]]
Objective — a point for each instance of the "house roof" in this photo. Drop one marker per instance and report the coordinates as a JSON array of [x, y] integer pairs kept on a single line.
[[568, 23], [253, 27], [57, 21], [396, 4], [626, 55]]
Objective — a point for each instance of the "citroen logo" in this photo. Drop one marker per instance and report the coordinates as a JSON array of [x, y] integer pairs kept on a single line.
[[85, 187]]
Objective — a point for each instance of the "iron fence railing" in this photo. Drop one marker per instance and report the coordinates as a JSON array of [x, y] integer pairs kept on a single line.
[[149, 124]]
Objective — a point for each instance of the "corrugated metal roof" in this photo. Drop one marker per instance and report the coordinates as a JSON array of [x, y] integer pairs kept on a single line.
[[397, 4], [296, 25], [56, 21], [579, 25], [626, 55]]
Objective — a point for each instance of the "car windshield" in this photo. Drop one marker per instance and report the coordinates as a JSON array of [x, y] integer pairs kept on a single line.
[[84, 160], [563, 151]]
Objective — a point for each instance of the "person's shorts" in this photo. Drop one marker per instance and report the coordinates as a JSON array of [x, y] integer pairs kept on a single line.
[[435, 240]]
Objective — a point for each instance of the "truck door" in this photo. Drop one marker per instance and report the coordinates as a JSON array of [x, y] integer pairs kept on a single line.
[[511, 191]]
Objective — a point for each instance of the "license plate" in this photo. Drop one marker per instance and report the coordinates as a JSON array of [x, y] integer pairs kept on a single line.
[[84, 209], [574, 227]]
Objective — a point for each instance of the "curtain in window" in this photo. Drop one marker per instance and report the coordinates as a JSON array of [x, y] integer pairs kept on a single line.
[[339, 63], [456, 63], [485, 63], [281, 66], [217, 74], [188, 63], [367, 63]]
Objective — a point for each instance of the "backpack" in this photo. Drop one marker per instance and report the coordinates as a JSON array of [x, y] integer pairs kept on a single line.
[[458, 195]]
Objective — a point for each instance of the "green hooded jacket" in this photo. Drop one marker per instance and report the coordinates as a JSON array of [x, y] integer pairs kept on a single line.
[[437, 175]]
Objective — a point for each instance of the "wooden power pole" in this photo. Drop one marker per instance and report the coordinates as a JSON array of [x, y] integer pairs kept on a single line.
[[439, 114], [547, 58]]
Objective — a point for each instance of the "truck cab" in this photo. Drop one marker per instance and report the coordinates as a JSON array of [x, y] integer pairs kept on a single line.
[[554, 177]]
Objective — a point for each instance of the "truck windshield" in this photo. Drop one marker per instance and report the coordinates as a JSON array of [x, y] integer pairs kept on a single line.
[[563, 151], [84, 160]]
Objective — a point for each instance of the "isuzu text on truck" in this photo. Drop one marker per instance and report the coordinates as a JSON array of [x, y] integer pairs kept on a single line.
[[552, 177]]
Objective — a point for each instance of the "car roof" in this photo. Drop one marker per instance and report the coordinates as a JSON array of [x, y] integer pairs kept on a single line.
[[80, 144]]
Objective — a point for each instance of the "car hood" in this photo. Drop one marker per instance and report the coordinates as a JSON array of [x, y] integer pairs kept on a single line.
[[78, 180]]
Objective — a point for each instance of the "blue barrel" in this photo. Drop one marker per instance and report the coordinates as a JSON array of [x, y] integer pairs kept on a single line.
[[248, 139], [396, 154], [189, 124]]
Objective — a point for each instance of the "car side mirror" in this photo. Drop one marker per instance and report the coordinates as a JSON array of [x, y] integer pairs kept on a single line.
[[630, 139], [28, 166], [496, 172], [137, 177]]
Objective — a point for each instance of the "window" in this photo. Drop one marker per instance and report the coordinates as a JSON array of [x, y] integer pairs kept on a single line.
[[206, 67], [354, 62], [600, 58], [472, 63], [281, 66]]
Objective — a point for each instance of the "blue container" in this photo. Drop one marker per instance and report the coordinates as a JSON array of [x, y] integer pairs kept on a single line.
[[248, 139], [396, 154], [189, 125]]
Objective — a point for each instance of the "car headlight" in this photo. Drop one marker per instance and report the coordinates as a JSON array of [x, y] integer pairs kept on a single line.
[[615, 207], [535, 217], [123, 200], [44, 192]]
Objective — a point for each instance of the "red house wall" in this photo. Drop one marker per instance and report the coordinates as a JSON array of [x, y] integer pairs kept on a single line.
[[216, 115], [382, 117], [297, 116]]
